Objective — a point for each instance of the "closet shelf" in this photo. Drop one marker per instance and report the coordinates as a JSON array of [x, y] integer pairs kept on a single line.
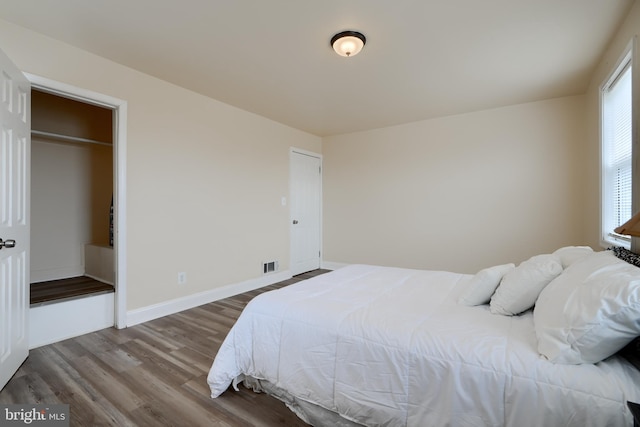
[[67, 138]]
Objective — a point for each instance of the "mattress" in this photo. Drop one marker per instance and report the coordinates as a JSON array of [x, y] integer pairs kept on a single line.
[[383, 346]]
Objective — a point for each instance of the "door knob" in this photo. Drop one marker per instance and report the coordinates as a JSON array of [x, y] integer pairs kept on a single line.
[[295, 221], [7, 244]]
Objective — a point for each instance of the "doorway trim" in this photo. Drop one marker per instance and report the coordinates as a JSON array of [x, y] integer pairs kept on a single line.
[[119, 107]]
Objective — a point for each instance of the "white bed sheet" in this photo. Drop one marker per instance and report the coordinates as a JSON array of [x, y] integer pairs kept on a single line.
[[391, 346]]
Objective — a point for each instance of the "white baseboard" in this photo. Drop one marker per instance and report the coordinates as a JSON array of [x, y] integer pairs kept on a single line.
[[166, 308], [330, 265], [58, 321]]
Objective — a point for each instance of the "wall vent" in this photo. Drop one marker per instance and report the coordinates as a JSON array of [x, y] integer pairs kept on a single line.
[[269, 267]]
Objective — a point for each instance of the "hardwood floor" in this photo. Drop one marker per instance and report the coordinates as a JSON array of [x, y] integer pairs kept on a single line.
[[66, 288], [152, 374]]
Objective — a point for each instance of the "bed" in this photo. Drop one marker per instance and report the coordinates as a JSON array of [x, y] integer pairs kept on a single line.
[[381, 346]]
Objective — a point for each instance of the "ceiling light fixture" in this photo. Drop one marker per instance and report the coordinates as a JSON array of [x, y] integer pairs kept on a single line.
[[348, 43]]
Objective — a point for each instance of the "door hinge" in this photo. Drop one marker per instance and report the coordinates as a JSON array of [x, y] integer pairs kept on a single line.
[[319, 169]]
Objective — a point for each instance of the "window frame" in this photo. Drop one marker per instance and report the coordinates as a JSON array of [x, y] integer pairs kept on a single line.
[[627, 59]]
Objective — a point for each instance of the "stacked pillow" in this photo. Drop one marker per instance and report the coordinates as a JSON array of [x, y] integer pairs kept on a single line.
[[519, 289], [570, 254], [590, 311], [586, 303], [484, 284], [512, 290]]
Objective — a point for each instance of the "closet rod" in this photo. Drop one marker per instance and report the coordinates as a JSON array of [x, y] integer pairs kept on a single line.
[[66, 138]]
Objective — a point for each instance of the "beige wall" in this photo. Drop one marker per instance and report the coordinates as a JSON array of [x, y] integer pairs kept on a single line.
[[629, 29], [457, 193], [460, 193], [204, 180]]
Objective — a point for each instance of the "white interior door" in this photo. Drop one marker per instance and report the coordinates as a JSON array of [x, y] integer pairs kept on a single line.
[[15, 145], [306, 196]]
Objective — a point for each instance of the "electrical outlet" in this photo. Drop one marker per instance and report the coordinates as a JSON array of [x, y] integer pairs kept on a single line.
[[182, 278]]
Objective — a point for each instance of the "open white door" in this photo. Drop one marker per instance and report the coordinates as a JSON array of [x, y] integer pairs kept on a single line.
[[306, 195], [15, 165]]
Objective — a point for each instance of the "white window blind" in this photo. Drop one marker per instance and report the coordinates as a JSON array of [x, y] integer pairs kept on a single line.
[[616, 150]]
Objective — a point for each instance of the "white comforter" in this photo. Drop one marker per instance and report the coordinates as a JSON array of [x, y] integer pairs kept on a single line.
[[389, 346]]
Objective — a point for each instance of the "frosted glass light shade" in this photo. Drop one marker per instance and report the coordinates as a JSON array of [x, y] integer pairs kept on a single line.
[[348, 43]]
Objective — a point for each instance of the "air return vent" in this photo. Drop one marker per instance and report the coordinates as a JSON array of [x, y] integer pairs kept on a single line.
[[269, 267]]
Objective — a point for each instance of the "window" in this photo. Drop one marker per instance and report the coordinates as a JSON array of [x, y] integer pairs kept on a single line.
[[616, 152]]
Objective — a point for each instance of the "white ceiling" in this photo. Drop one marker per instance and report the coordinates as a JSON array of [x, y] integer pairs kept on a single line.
[[423, 58]]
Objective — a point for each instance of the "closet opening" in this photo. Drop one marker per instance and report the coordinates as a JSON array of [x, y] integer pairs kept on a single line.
[[72, 189]]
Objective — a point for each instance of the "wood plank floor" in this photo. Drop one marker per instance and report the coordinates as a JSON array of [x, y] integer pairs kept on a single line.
[[152, 374], [72, 287]]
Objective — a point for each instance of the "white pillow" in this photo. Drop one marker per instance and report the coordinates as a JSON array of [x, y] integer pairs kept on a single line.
[[590, 311], [520, 288], [570, 254], [484, 284]]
